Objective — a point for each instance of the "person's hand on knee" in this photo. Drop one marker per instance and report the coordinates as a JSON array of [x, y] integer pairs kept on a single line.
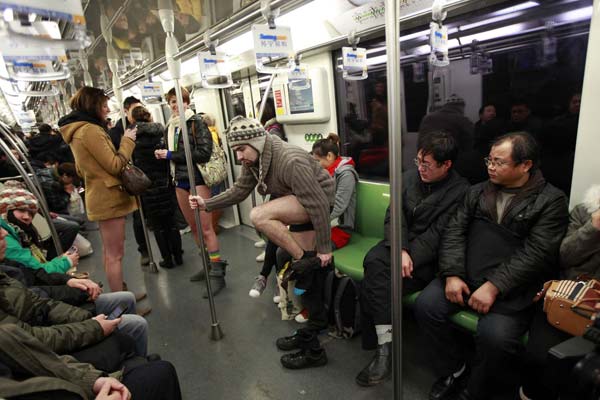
[[325, 259], [197, 202]]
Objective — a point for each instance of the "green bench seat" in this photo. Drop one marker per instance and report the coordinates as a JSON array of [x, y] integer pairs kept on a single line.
[[372, 201]]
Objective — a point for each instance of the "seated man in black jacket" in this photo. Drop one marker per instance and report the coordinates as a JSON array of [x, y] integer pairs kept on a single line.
[[497, 250], [430, 195]]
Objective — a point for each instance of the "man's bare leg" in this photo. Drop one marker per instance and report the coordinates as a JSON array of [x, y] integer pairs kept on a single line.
[[272, 219]]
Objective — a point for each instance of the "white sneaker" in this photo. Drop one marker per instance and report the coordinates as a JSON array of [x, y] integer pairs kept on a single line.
[[302, 317], [187, 229], [260, 257], [260, 283], [260, 244], [276, 299]]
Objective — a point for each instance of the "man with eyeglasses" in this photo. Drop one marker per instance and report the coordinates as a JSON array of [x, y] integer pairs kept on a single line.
[[430, 195], [498, 249]]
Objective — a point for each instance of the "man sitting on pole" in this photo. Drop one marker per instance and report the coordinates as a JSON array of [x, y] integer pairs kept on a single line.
[[306, 194]]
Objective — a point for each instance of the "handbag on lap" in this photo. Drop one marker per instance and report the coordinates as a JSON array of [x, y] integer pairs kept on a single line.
[[570, 305]]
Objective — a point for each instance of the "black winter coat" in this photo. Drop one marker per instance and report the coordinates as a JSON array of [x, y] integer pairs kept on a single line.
[[517, 254], [201, 143], [427, 208], [158, 199], [54, 192], [53, 144]]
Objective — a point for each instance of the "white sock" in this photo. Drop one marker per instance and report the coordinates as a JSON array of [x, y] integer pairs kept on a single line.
[[384, 334], [522, 394], [460, 371]]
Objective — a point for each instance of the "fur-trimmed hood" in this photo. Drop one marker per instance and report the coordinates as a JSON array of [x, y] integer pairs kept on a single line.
[[591, 200]]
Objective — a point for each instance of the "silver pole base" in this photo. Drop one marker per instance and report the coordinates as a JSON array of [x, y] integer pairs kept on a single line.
[[153, 267], [215, 332]]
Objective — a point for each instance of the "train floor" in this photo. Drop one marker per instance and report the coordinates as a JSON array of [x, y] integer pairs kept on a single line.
[[245, 363]]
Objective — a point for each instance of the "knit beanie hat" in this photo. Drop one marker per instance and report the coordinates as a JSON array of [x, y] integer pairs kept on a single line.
[[246, 131], [12, 184], [17, 199]]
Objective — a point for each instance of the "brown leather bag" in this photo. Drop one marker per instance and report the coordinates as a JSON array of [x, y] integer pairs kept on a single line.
[[569, 305], [134, 180]]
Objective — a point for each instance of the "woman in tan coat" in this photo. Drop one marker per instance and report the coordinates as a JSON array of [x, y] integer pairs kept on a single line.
[[100, 165]]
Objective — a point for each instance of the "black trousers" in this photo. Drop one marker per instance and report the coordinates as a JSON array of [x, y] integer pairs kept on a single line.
[[138, 232], [541, 379], [376, 292], [167, 236], [67, 231], [497, 342], [313, 299], [109, 354]]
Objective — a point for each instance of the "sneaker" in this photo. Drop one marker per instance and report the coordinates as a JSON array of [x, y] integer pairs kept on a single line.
[[260, 257], [260, 283], [144, 259], [185, 230], [276, 299], [302, 317], [260, 244]]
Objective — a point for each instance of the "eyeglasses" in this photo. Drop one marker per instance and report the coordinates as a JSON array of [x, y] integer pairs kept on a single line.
[[495, 163], [420, 164]]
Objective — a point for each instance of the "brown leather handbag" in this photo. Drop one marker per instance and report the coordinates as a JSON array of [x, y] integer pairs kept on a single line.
[[569, 305], [135, 181]]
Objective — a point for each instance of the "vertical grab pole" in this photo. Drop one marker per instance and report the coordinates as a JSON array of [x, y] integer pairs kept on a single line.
[[166, 15], [112, 58], [34, 186], [392, 31]]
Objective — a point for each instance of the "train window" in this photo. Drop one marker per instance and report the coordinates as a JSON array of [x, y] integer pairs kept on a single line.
[[528, 69]]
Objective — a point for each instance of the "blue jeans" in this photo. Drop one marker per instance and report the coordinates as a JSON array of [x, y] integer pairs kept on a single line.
[[131, 324], [497, 342]]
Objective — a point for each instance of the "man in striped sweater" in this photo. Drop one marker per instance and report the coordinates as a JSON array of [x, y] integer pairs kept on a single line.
[[306, 194]]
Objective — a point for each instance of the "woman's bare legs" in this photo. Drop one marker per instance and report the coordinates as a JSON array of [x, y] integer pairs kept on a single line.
[[210, 238], [112, 232]]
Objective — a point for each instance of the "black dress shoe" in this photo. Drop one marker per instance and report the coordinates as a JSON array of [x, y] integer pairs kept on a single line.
[[447, 386], [178, 258], [379, 369], [308, 358], [301, 339], [166, 263]]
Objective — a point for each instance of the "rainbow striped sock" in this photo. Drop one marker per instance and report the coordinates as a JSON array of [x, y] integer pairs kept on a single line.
[[214, 256]]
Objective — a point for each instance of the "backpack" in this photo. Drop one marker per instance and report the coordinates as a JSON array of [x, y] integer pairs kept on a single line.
[[342, 304], [215, 170]]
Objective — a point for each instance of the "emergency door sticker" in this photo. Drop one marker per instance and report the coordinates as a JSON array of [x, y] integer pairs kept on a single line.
[[354, 63], [270, 45], [214, 70], [279, 108], [68, 10]]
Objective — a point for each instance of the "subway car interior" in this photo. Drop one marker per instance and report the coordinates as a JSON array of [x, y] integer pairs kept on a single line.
[[219, 309]]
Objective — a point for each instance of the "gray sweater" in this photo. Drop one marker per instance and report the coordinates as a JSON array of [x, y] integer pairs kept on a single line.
[[284, 169], [345, 195]]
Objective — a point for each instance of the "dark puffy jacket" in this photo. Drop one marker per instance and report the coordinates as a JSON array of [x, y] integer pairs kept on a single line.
[[201, 143], [56, 197], [61, 327], [450, 118], [517, 254], [157, 200], [427, 208], [53, 144]]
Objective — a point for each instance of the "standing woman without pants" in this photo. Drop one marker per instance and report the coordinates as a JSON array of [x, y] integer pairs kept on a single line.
[[100, 166], [327, 153], [201, 142], [157, 201]]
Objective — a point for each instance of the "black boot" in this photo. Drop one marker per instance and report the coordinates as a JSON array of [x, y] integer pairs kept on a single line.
[[448, 386], [217, 277], [166, 263], [309, 358], [379, 368]]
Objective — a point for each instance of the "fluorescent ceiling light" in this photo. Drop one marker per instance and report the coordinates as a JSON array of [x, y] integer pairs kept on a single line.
[[518, 7], [494, 33], [190, 66], [238, 45], [576, 15], [486, 22]]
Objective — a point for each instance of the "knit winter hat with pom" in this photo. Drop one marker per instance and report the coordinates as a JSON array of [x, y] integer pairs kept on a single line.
[[246, 131], [17, 199]]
